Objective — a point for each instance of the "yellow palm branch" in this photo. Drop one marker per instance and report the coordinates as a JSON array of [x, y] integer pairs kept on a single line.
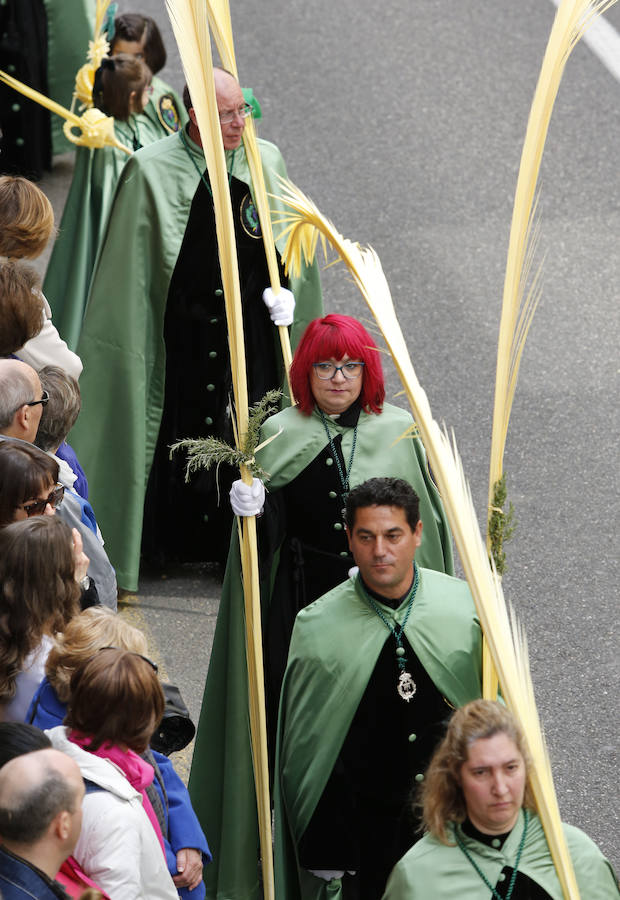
[[506, 644], [191, 30], [221, 26], [95, 128], [97, 49], [521, 287]]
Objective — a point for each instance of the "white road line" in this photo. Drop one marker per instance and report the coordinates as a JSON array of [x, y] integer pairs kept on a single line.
[[604, 41]]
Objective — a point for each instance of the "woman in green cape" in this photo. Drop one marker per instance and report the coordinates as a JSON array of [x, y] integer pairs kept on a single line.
[[484, 838]]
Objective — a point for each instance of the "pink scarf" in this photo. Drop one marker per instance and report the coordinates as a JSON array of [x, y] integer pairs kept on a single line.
[[138, 773]]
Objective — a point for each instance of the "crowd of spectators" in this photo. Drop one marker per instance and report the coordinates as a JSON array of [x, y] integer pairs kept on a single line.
[[81, 790]]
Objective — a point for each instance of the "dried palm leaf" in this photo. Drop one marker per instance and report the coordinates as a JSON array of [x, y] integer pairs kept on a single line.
[[521, 289], [191, 30], [97, 49], [221, 26], [95, 128], [506, 644]]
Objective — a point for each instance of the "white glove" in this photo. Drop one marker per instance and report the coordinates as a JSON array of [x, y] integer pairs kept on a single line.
[[247, 499], [281, 308], [327, 874]]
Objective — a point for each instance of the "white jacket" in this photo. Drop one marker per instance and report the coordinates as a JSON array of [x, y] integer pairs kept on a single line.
[[47, 348], [117, 847]]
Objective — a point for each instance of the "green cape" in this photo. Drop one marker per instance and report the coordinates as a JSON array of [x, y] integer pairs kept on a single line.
[[221, 780], [432, 869], [122, 344], [70, 25], [324, 683], [82, 227]]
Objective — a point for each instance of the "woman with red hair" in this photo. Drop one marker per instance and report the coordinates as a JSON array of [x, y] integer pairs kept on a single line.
[[340, 433]]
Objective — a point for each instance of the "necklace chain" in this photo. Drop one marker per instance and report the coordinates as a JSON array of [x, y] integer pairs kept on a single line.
[[397, 632], [344, 476], [513, 877], [197, 167]]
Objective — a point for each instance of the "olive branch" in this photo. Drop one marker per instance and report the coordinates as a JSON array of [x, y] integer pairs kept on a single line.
[[500, 526], [203, 453]]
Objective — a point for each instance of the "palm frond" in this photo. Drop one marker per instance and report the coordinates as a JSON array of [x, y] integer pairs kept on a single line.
[[191, 29], [95, 128]]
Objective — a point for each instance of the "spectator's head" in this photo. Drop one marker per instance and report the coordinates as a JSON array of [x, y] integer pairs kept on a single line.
[[478, 771], [28, 477], [384, 530], [121, 86], [38, 591], [26, 218], [139, 36], [21, 400], [232, 109], [62, 408], [17, 738], [41, 797], [337, 340], [21, 305], [116, 697], [84, 636]]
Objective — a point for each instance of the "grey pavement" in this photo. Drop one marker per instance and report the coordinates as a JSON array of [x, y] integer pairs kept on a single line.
[[404, 122]]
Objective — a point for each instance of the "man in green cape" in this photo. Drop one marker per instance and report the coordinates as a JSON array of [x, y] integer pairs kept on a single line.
[[154, 342], [374, 668], [484, 837]]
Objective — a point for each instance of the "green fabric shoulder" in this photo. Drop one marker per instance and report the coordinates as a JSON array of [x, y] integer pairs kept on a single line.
[[434, 869], [303, 438]]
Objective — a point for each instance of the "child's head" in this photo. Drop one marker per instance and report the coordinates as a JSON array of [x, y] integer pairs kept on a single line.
[[139, 36], [26, 218], [120, 86]]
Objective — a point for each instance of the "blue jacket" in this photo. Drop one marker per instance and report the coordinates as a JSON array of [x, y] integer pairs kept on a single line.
[[47, 711], [19, 879]]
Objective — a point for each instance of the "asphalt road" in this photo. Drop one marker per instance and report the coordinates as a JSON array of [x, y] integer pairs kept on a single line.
[[404, 122]]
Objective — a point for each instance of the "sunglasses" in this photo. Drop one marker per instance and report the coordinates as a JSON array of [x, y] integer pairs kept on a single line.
[[37, 508]]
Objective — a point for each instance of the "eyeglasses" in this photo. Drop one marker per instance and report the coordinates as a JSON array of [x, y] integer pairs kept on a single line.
[[148, 90], [44, 398], [153, 665], [327, 371], [243, 111], [38, 507]]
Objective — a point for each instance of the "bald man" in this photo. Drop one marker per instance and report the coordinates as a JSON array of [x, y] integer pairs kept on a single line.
[[155, 342], [41, 797], [21, 400]]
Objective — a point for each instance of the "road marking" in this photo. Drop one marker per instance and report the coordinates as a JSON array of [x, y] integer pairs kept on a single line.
[[604, 41]]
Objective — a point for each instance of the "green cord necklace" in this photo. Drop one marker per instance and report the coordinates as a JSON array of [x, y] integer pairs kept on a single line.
[[344, 476], [513, 877], [197, 167], [406, 686]]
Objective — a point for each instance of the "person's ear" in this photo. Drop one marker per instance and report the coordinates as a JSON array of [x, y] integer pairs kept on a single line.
[[417, 534], [22, 417], [62, 824]]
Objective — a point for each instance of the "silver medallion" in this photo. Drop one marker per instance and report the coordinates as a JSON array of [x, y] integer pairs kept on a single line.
[[406, 686]]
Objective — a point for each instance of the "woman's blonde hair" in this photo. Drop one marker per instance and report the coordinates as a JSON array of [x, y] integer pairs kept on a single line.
[[83, 637], [26, 218], [441, 794]]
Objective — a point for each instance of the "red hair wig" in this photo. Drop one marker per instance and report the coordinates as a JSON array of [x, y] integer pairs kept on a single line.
[[335, 337]]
